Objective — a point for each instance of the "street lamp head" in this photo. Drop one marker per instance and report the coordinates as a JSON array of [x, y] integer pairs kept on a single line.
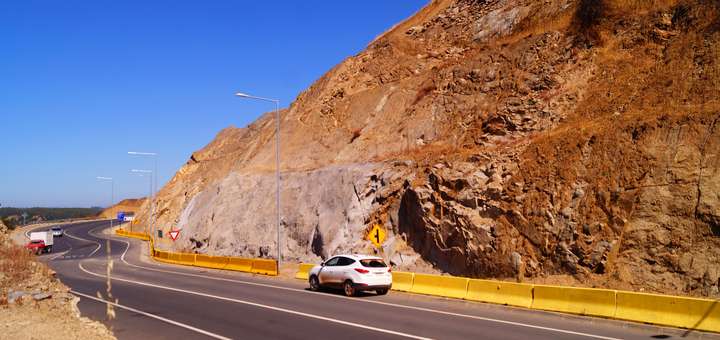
[[104, 178], [142, 153], [240, 94]]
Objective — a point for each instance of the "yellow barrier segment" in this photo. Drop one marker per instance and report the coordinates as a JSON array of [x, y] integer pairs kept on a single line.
[[267, 267], [584, 301], [504, 293], [402, 281], [447, 286], [187, 259], [239, 264], [303, 272], [691, 313], [208, 261]]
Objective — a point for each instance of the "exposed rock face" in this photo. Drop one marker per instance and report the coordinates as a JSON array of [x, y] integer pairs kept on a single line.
[[544, 140]]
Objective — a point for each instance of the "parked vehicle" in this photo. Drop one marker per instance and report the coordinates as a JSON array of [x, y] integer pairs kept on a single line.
[[40, 242], [57, 231], [352, 274]]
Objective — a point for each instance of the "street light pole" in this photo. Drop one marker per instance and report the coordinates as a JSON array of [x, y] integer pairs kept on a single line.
[[112, 194], [153, 186], [142, 173], [277, 164]]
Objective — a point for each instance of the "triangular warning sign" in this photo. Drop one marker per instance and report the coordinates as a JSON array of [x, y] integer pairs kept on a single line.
[[174, 234]]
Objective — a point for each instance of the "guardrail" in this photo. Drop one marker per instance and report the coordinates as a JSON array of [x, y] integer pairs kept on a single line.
[[666, 310], [248, 265]]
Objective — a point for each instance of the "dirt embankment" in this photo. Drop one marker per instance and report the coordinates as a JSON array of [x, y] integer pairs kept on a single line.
[[558, 141], [34, 303], [130, 205]]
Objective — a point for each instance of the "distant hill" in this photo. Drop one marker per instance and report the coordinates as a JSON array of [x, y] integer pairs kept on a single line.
[[130, 205], [13, 216]]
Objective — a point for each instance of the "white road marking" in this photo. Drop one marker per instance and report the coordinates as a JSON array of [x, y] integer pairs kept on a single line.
[[82, 239], [429, 310], [172, 322], [278, 309]]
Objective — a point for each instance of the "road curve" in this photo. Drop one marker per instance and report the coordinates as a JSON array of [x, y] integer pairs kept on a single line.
[[159, 301]]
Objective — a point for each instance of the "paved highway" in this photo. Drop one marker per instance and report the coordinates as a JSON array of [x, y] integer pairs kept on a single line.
[[158, 301]]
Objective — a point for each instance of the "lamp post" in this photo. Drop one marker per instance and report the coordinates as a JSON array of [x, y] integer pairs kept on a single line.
[[277, 163], [112, 194], [153, 186], [142, 173]]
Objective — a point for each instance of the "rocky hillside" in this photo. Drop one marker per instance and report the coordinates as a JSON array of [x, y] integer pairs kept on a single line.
[[568, 141]]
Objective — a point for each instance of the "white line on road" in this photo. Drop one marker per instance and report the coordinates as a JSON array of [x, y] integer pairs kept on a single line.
[[82, 239], [429, 310], [278, 309], [172, 322]]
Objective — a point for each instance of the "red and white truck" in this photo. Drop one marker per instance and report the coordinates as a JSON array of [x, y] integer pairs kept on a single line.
[[40, 242]]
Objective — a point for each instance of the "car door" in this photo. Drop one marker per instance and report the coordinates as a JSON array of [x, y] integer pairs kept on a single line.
[[340, 270], [326, 272]]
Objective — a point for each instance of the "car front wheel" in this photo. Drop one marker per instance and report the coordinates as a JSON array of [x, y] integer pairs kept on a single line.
[[314, 283], [381, 291], [348, 288]]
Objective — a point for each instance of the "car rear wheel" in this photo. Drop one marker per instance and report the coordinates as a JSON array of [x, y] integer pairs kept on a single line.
[[314, 283], [348, 288], [381, 291]]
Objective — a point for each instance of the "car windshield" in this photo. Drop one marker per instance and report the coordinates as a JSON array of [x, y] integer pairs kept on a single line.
[[373, 263]]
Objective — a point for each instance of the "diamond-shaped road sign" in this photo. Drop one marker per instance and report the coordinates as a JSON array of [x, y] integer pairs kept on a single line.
[[174, 234], [377, 235]]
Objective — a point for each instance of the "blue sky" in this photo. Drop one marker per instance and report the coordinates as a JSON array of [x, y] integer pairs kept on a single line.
[[83, 82]]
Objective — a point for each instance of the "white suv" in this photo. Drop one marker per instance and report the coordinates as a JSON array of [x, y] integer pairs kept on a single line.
[[352, 273]]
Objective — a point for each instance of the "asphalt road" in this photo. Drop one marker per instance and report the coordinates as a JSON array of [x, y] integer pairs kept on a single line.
[[158, 301]]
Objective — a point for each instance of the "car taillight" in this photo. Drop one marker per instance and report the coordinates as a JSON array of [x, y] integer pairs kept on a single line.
[[362, 271], [389, 270]]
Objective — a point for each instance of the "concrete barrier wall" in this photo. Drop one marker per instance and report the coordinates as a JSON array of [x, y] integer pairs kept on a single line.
[[691, 313], [403, 281], [504, 293], [448, 286], [207, 261], [239, 264], [584, 301], [303, 272], [258, 266], [266, 267]]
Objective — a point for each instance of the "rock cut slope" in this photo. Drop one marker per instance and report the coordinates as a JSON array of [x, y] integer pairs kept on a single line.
[[557, 141]]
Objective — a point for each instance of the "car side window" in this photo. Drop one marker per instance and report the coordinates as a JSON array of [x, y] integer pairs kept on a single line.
[[332, 262], [344, 261]]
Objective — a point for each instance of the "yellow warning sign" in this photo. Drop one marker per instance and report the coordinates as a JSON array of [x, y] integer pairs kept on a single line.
[[377, 235]]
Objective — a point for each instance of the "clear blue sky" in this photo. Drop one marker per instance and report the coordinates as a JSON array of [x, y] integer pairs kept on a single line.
[[83, 82]]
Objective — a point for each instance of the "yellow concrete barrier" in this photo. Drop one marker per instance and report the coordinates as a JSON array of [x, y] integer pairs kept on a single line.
[[504, 293], [447, 286], [267, 267], [584, 301], [691, 313], [239, 264], [207, 261], [303, 272], [402, 281], [187, 259]]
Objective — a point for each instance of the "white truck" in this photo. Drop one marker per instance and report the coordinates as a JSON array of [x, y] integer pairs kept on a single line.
[[40, 242]]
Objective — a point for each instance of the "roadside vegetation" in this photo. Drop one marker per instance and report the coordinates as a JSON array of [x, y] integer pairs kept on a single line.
[[13, 217]]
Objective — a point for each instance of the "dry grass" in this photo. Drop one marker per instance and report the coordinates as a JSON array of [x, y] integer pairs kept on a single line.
[[16, 264]]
